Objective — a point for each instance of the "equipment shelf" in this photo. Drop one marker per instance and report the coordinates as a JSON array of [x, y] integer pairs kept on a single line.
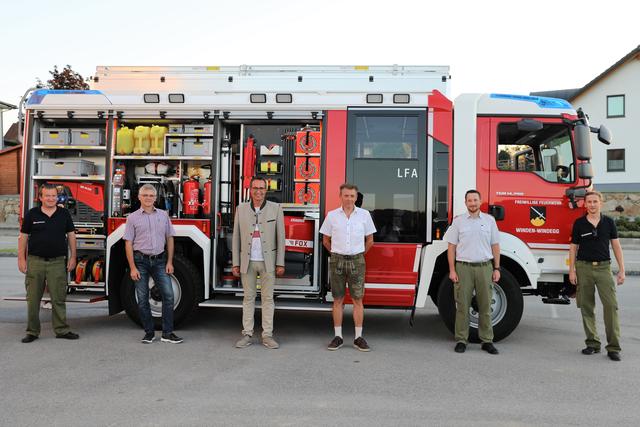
[[70, 147], [70, 178], [163, 157]]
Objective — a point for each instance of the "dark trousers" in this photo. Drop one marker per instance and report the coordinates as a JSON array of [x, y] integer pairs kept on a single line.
[[154, 268]]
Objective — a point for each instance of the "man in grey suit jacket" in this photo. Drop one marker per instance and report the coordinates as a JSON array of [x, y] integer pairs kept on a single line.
[[258, 249]]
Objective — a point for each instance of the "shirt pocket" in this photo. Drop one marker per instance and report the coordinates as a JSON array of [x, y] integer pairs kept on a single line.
[[465, 231], [358, 227], [485, 234]]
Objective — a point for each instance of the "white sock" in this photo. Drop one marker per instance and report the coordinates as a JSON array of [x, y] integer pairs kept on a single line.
[[358, 332], [338, 331]]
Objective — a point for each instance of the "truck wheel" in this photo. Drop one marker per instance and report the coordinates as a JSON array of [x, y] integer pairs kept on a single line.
[[506, 307], [187, 285]]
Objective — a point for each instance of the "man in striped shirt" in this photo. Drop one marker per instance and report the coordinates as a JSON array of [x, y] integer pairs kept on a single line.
[[147, 231]]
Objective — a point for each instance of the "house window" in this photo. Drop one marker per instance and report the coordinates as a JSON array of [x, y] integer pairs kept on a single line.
[[615, 160], [615, 106]]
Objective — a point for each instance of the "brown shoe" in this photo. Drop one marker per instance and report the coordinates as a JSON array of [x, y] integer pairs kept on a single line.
[[361, 344], [335, 343], [244, 342], [269, 342]]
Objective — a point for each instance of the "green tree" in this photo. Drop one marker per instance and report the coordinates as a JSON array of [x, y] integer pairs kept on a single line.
[[65, 79]]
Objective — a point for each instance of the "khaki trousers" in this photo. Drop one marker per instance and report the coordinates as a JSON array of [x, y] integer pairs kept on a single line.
[[249, 282], [53, 273], [590, 278], [472, 278]]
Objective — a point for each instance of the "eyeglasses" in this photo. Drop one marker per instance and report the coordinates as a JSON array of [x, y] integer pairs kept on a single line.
[[259, 188]]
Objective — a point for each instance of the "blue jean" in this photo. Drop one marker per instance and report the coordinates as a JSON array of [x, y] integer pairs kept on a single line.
[[156, 268]]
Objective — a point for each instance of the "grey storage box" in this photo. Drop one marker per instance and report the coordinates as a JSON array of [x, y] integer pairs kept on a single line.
[[90, 244], [197, 146], [174, 147], [198, 129], [52, 136], [66, 167], [173, 129], [87, 137]]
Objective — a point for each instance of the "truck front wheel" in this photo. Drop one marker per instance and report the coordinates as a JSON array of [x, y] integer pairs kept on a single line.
[[506, 307], [186, 283]]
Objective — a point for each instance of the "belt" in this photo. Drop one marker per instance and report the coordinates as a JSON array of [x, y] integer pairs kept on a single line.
[[346, 256], [595, 263], [475, 264], [47, 259], [160, 255]]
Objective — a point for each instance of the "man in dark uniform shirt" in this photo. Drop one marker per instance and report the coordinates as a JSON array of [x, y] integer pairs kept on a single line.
[[590, 268], [48, 234]]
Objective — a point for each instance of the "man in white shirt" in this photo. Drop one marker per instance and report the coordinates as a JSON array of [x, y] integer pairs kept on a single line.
[[474, 264], [348, 235]]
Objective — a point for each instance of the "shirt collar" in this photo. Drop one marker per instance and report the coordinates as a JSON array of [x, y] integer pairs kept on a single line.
[[355, 210], [264, 202], [142, 211], [480, 215]]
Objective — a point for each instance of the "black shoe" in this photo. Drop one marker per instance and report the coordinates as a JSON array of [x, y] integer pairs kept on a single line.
[[590, 350], [489, 348], [148, 338], [335, 343], [614, 355], [460, 347], [361, 344], [29, 338], [68, 336], [172, 338]]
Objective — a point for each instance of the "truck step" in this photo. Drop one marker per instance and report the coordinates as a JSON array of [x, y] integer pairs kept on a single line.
[[93, 285], [281, 304], [76, 297], [559, 300]]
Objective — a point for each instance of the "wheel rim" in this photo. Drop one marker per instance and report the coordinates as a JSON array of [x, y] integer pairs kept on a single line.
[[498, 308], [155, 300]]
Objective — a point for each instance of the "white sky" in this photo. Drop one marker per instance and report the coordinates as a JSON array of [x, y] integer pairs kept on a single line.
[[490, 45]]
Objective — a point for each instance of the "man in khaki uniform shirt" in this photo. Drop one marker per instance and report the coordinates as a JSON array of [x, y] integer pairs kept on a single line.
[[474, 264], [258, 249]]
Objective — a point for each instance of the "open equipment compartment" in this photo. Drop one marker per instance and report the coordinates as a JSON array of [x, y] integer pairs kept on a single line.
[[268, 150]]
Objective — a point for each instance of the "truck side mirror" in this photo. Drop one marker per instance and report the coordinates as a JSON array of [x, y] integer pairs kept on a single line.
[[582, 135], [604, 135], [585, 170]]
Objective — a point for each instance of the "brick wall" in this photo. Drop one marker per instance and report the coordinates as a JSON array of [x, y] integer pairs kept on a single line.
[[10, 170]]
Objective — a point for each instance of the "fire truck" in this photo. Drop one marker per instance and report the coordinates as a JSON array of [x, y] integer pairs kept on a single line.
[[198, 135]]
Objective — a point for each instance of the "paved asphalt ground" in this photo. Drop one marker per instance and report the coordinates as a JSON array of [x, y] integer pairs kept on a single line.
[[412, 376]]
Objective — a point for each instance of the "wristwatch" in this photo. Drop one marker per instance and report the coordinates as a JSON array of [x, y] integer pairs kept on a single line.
[[497, 268]]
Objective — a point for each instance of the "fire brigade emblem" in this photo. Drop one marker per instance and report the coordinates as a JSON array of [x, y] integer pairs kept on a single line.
[[538, 215]]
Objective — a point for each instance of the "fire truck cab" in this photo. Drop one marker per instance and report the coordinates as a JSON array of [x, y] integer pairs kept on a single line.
[[198, 135]]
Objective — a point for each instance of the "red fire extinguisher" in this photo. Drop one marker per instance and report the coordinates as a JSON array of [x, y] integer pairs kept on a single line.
[[206, 204], [191, 197]]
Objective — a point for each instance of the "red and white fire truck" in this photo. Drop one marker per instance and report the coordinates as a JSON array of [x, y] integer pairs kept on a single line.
[[198, 134]]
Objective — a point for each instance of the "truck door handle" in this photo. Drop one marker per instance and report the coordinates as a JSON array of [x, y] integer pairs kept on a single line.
[[497, 211]]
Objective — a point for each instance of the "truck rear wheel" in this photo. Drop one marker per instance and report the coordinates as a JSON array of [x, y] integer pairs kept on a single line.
[[506, 307], [187, 285]]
